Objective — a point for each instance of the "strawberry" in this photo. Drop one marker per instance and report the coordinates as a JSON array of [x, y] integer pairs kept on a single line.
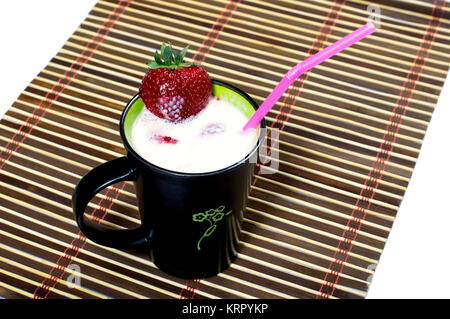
[[173, 89], [164, 139]]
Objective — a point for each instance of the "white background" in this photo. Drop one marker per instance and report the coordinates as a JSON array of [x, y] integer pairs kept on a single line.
[[416, 258]]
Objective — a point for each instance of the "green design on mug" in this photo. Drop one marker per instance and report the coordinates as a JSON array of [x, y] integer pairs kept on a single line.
[[213, 216]]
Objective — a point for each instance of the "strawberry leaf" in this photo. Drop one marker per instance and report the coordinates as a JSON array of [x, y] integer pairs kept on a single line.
[[167, 55], [154, 65], [170, 58], [177, 57], [183, 53], [158, 59]]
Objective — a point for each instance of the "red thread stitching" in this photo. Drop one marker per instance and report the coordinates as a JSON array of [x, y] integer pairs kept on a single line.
[[80, 237], [299, 83], [68, 255], [428, 38], [217, 27], [191, 290]]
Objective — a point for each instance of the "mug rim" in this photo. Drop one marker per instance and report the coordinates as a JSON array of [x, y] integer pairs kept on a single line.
[[159, 169]]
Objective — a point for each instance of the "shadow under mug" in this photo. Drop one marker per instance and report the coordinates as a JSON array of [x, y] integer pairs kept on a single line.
[[190, 223]]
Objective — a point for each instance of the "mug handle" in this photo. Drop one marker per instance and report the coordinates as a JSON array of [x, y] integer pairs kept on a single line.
[[100, 177]]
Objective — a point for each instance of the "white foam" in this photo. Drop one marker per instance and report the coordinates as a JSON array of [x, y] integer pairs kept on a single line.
[[210, 141]]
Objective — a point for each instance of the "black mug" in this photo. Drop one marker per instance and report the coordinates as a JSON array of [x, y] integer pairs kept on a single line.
[[190, 222]]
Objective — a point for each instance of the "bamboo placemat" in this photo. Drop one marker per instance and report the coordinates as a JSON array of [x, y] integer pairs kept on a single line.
[[350, 133]]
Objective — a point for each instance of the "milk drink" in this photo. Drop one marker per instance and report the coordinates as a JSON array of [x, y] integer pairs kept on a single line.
[[210, 141]]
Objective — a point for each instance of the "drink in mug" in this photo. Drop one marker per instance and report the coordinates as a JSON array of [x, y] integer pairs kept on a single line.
[[209, 141], [191, 206]]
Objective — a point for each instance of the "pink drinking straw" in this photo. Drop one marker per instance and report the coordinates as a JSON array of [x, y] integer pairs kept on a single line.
[[304, 66]]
